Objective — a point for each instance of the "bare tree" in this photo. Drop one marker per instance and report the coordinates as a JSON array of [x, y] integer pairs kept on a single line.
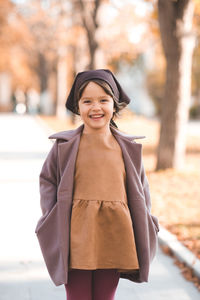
[[88, 12], [175, 20]]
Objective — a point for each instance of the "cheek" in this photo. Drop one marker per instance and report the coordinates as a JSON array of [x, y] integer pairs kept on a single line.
[[82, 110], [112, 108]]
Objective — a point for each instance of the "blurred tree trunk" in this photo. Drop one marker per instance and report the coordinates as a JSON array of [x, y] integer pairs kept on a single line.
[[88, 11], [42, 72], [73, 52], [175, 20], [42, 69]]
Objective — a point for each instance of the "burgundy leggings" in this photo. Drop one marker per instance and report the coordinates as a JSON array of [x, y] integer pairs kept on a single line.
[[98, 284]]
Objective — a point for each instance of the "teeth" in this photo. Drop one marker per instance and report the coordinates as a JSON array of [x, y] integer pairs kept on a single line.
[[96, 116]]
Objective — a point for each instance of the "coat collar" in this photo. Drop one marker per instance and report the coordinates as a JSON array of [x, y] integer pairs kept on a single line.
[[69, 134]]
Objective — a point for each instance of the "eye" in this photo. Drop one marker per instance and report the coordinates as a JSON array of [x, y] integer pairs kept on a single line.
[[86, 101], [104, 100]]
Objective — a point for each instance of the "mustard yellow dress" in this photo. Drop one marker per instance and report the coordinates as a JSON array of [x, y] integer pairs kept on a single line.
[[101, 232]]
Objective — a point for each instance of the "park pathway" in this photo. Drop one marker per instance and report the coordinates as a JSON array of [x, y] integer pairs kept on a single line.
[[23, 275]]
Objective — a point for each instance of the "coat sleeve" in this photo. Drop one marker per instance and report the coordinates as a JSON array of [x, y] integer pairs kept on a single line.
[[48, 181], [146, 190]]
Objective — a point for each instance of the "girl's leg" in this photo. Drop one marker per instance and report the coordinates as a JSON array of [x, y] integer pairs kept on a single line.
[[79, 285], [105, 283]]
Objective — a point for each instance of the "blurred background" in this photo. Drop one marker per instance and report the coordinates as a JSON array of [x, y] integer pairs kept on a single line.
[[45, 43], [153, 48]]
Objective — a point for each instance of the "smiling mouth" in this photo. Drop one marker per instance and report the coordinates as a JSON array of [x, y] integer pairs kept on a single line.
[[96, 117]]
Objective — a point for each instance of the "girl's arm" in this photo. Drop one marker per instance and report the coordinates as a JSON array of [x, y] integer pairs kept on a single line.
[[48, 181]]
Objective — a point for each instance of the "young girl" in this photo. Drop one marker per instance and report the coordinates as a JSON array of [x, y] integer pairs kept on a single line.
[[96, 225]]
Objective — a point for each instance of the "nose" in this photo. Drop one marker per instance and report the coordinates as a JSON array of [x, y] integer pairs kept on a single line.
[[96, 106]]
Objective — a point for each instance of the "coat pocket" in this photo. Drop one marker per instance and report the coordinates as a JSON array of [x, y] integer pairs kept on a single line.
[[155, 223], [153, 238], [44, 219], [48, 235]]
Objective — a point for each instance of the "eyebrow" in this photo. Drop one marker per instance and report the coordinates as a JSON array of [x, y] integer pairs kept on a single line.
[[97, 97]]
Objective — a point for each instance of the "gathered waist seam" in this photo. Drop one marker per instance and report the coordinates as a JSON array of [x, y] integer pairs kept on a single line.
[[79, 199]]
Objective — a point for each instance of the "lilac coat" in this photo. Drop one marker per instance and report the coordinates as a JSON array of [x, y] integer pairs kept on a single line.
[[56, 191]]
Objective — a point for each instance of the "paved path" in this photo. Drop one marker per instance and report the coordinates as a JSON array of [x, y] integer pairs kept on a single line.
[[23, 275]]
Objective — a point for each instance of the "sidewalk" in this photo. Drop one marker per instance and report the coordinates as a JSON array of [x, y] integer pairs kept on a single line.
[[23, 275]]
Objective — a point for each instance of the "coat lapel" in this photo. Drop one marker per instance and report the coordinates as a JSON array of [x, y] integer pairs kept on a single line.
[[67, 153], [132, 160], [130, 150]]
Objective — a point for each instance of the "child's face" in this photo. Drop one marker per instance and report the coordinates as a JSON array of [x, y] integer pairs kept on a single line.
[[96, 108]]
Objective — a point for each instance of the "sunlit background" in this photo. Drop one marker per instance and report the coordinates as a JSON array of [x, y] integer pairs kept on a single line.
[[153, 48]]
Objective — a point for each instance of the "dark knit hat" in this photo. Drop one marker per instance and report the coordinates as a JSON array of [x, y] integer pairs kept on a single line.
[[103, 74]]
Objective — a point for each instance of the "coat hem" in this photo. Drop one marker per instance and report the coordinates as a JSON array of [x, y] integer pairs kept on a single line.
[[104, 267]]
